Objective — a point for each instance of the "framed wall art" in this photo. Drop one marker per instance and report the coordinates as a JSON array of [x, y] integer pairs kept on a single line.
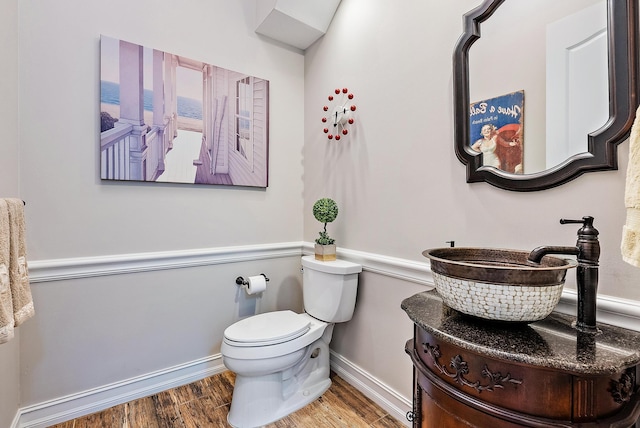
[[168, 118]]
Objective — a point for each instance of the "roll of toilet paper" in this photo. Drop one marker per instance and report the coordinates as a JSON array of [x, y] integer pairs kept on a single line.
[[257, 284]]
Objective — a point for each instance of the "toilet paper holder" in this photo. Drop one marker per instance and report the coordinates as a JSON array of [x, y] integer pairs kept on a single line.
[[241, 281]]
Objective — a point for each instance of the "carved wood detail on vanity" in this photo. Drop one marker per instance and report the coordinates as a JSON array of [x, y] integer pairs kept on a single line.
[[623, 389], [468, 373], [496, 380]]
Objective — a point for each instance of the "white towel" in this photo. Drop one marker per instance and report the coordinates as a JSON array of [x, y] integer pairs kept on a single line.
[[13, 270], [630, 245]]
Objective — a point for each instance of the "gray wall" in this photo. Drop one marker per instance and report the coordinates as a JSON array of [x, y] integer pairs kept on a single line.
[[9, 187], [71, 212], [94, 331], [396, 179], [374, 339]]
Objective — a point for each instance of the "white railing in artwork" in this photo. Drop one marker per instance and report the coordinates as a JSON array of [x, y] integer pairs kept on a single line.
[[114, 152], [159, 141], [116, 160], [155, 155]]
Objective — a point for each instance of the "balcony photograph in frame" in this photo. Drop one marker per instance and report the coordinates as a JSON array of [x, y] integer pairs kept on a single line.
[[168, 118]]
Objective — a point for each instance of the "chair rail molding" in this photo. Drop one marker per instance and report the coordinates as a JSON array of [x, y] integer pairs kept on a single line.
[[612, 310], [86, 267]]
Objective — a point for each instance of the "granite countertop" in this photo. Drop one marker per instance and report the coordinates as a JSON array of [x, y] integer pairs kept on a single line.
[[551, 342]]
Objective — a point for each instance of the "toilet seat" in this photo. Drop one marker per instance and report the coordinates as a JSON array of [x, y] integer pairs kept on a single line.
[[269, 328], [292, 342]]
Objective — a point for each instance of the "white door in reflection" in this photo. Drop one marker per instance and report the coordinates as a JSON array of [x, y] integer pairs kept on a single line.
[[577, 81]]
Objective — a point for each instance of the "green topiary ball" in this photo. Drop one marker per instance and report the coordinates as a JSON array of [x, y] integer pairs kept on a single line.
[[325, 210]]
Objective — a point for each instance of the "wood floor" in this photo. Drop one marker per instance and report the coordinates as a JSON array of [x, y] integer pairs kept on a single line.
[[205, 403]]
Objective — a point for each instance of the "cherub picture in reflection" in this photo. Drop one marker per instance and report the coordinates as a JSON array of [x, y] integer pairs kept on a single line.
[[496, 127]]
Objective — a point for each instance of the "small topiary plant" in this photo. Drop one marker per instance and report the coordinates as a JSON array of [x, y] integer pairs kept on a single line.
[[325, 210]]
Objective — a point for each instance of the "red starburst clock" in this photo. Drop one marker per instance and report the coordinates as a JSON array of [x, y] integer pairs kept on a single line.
[[339, 114]]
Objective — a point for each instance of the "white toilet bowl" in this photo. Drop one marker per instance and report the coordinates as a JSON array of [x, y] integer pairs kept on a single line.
[[281, 361]]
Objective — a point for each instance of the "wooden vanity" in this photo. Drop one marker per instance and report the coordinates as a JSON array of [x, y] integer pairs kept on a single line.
[[471, 372]]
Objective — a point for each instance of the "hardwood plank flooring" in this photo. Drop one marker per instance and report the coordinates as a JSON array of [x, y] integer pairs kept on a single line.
[[205, 404]]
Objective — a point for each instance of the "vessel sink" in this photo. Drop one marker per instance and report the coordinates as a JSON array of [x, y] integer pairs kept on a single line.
[[498, 284]]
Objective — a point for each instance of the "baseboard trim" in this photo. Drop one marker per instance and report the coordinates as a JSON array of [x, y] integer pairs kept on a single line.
[[73, 406], [66, 408], [378, 392]]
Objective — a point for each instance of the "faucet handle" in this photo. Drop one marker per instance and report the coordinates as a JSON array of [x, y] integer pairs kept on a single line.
[[587, 225], [565, 221], [586, 221]]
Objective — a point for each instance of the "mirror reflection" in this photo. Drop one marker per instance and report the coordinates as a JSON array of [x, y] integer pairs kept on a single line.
[[538, 83]]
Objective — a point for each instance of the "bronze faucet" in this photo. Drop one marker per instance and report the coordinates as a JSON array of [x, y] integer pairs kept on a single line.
[[587, 250]]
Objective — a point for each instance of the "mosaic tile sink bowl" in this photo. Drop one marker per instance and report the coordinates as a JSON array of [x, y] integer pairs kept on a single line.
[[499, 285]]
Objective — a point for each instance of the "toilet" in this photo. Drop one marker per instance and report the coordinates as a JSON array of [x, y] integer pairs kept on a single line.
[[281, 358]]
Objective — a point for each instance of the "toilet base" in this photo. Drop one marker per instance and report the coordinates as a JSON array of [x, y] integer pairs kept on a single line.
[[260, 400]]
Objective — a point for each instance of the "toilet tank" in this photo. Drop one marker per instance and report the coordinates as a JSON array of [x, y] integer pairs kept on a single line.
[[329, 288]]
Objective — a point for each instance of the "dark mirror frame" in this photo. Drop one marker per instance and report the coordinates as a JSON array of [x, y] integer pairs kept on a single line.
[[622, 33]]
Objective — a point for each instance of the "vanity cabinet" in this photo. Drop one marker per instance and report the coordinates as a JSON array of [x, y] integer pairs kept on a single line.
[[471, 372]]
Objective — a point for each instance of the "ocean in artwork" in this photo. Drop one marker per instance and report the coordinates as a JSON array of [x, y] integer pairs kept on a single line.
[[187, 107]]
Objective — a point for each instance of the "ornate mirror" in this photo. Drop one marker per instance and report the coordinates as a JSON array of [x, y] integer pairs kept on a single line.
[[553, 130]]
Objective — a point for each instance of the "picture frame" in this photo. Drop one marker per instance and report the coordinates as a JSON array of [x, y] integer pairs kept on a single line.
[[168, 118]]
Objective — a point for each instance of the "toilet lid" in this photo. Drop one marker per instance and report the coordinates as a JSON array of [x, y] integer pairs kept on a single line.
[[267, 329]]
